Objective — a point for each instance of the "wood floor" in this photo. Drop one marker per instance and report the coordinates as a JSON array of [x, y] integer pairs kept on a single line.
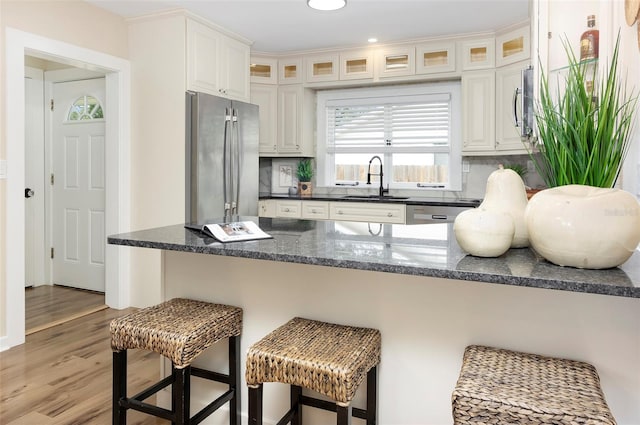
[[51, 305], [62, 375]]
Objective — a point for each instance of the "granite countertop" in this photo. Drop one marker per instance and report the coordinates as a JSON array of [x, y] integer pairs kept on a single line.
[[419, 249], [410, 200]]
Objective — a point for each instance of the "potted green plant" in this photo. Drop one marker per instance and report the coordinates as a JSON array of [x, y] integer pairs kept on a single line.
[[305, 174], [584, 132]]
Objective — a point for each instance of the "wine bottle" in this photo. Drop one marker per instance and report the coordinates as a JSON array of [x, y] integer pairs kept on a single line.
[[589, 40]]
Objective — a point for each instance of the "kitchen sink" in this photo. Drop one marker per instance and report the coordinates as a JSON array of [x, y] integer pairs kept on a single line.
[[375, 198]]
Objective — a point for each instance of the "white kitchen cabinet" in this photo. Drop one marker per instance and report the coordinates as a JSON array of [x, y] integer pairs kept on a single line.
[[296, 115], [478, 111], [263, 70], [478, 54], [513, 46], [289, 209], [290, 70], [315, 210], [321, 67], [216, 63], [266, 97], [508, 79], [267, 208], [396, 62], [356, 64], [368, 212], [436, 57]]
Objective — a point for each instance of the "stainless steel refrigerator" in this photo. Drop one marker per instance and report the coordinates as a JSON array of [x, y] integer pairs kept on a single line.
[[221, 158]]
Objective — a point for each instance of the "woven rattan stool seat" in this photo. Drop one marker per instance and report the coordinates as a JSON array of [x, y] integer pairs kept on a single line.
[[178, 329], [499, 386], [330, 359]]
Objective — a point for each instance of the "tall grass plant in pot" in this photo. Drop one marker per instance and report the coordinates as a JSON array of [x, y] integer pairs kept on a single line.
[[584, 133]]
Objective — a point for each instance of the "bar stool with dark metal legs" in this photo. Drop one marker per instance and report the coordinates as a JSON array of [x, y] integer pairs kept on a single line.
[[180, 330], [327, 358]]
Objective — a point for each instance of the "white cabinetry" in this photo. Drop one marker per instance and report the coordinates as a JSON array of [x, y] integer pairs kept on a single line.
[[367, 212], [267, 208], [513, 46], [435, 57], [289, 209], [266, 97], [263, 70], [356, 64], [216, 64], [296, 114], [508, 79], [315, 210], [478, 54], [478, 111], [321, 67], [396, 62], [290, 70]]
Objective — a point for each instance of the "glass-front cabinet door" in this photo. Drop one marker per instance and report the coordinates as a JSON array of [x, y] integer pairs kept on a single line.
[[290, 70], [478, 54], [356, 64], [321, 67], [513, 46], [396, 62], [437, 57], [263, 70]]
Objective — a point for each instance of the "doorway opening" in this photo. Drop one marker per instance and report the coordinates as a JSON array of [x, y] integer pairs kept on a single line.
[[65, 119], [117, 179]]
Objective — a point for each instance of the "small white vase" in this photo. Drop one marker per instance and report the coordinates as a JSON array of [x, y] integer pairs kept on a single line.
[[584, 226]]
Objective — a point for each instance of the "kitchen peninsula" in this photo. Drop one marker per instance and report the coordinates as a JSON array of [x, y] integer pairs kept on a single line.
[[425, 295]]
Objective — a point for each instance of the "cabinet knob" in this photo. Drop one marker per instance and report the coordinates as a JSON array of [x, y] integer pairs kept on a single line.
[[389, 214], [286, 210], [340, 212]]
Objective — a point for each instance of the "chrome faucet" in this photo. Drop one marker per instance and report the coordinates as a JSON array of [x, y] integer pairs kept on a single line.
[[382, 190]]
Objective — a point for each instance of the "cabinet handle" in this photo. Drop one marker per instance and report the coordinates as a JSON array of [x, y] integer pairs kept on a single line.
[[389, 214], [286, 210], [313, 211], [340, 212]]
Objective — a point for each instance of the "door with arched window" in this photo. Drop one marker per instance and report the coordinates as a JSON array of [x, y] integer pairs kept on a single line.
[[78, 184]]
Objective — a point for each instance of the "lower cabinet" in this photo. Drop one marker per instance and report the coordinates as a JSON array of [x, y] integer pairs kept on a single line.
[[340, 211], [367, 212]]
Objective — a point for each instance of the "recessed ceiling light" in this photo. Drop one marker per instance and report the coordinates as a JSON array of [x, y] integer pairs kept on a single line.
[[327, 4], [372, 40]]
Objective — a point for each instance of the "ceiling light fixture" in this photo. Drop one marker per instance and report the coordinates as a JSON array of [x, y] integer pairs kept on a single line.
[[372, 40], [326, 4]]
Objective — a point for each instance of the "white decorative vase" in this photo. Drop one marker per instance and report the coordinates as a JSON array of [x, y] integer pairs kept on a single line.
[[583, 226], [484, 233]]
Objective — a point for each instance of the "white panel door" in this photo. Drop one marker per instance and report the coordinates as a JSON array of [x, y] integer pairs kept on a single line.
[[34, 230], [78, 228]]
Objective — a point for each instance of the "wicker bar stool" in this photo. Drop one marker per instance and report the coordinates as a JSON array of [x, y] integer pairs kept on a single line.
[[499, 386], [327, 358], [180, 330]]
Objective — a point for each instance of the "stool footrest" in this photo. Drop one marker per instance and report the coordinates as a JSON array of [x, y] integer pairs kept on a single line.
[[330, 406], [150, 409], [148, 392], [210, 375], [212, 407]]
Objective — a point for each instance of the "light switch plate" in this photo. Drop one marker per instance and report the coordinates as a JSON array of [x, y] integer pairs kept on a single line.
[[3, 168]]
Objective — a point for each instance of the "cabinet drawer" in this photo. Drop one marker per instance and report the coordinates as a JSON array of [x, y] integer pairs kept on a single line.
[[290, 209], [367, 212], [267, 208], [316, 210]]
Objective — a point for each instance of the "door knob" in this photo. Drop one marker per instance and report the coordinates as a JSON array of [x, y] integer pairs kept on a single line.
[[28, 193]]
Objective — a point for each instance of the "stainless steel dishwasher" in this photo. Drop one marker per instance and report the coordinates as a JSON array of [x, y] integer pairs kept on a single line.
[[423, 214]]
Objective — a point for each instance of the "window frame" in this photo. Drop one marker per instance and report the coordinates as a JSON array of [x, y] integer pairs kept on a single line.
[[326, 168]]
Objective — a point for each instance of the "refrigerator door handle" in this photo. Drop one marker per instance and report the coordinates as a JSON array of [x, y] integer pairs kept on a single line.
[[235, 137], [227, 172]]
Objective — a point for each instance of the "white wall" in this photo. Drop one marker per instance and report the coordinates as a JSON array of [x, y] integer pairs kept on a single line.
[[425, 322]]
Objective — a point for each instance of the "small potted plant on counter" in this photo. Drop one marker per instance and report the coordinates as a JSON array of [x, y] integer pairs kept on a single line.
[[305, 173]]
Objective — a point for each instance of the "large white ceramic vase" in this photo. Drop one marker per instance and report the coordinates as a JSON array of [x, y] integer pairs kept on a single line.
[[584, 226]]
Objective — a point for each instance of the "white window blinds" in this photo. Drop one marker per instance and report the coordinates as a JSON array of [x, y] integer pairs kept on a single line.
[[400, 124]]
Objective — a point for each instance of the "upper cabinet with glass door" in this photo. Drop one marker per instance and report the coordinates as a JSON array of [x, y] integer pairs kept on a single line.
[[513, 46], [322, 67], [435, 57], [290, 70], [396, 62], [356, 64], [478, 54], [263, 70]]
